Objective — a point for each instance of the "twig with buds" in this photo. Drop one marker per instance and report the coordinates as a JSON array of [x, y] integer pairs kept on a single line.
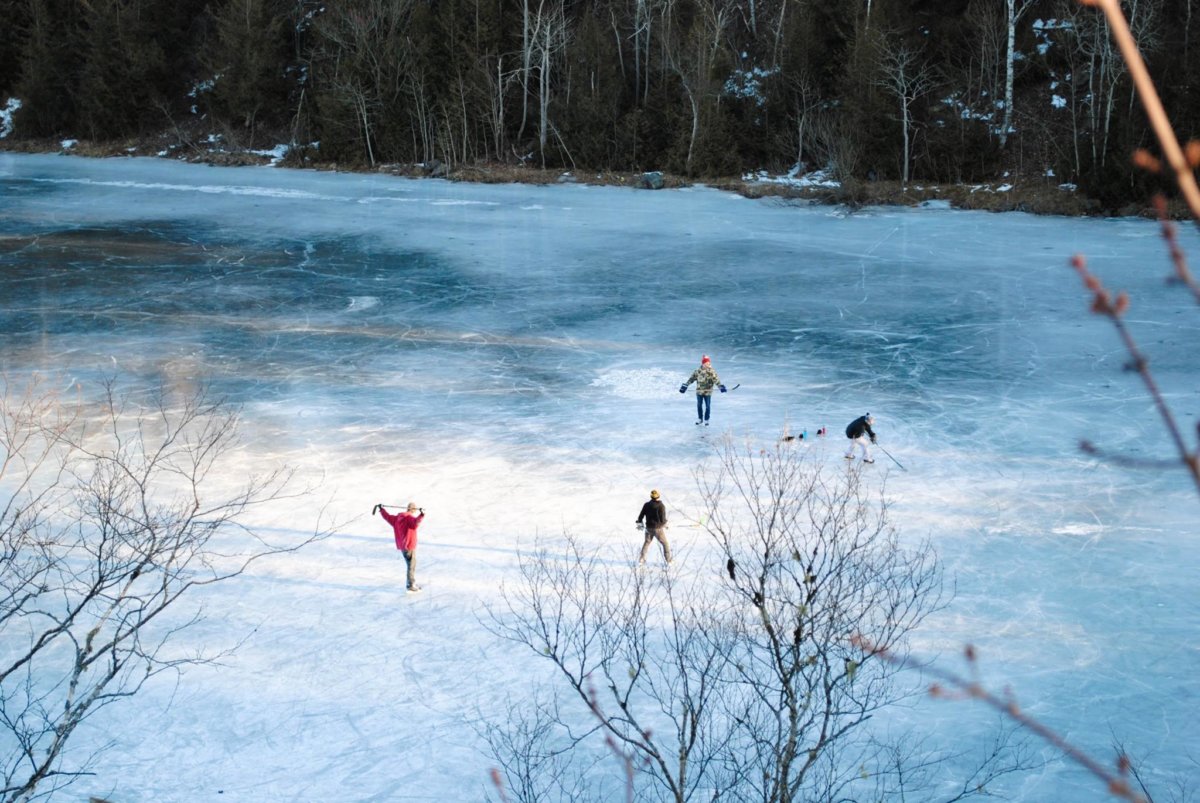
[[1114, 309], [627, 758], [955, 686], [499, 784], [1178, 259]]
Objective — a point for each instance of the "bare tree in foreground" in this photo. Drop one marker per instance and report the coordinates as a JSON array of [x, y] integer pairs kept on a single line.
[[741, 680], [106, 523], [641, 653], [810, 559], [536, 761]]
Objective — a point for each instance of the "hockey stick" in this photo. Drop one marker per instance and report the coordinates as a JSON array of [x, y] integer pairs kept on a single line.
[[889, 454], [375, 509], [735, 387]]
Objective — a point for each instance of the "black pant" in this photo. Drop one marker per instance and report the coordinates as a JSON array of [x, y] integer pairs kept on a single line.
[[410, 557]]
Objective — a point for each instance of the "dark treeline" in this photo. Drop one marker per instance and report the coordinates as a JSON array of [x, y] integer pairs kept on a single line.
[[935, 90]]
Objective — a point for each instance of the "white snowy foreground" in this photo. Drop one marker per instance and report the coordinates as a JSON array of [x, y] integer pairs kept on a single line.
[[509, 357]]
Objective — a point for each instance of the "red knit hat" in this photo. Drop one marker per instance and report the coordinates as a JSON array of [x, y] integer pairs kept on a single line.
[[704, 359]]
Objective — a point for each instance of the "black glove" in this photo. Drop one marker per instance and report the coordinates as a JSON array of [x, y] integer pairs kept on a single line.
[[722, 387], [683, 388], [873, 439], [421, 510]]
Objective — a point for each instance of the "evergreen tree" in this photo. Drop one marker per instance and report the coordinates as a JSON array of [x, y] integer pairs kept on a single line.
[[247, 64], [49, 58], [12, 36], [117, 79]]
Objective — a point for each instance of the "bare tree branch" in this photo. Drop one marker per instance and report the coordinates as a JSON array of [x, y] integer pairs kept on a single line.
[[112, 521]]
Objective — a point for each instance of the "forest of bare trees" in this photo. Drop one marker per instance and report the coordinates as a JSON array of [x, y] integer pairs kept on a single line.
[[909, 90]]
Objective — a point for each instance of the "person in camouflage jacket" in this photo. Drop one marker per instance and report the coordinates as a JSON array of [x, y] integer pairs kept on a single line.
[[706, 379]]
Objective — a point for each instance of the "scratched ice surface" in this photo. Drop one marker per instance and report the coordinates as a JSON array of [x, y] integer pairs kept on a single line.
[[509, 356]]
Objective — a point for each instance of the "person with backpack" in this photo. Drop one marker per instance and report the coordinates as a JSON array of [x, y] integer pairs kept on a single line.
[[706, 379], [653, 519], [858, 431], [404, 527]]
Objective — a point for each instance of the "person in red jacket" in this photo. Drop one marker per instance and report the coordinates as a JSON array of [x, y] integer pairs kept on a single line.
[[405, 525]]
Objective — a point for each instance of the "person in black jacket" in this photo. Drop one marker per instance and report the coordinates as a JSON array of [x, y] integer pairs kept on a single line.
[[654, 519], [858, 431]]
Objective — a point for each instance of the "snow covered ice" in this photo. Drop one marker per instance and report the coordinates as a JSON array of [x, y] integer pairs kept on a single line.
[[509, 357]]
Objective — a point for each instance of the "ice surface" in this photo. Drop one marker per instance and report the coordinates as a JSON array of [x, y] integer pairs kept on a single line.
[[509, 356]]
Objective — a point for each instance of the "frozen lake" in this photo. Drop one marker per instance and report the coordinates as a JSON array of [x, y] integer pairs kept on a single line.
[[509, 356]]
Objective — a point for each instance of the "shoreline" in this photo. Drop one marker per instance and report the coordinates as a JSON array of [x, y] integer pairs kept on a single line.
[[1037, 197]]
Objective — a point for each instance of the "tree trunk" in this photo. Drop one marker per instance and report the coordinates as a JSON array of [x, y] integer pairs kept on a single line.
[[544, 93], [695, 131], [800, 120], [1187, 31], [526, 57], [639, 11], [1009, 66], [498, 135], [364, 116], [778, 35]]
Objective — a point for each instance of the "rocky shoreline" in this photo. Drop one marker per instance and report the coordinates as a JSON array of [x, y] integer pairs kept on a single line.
[[1040, 196]]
